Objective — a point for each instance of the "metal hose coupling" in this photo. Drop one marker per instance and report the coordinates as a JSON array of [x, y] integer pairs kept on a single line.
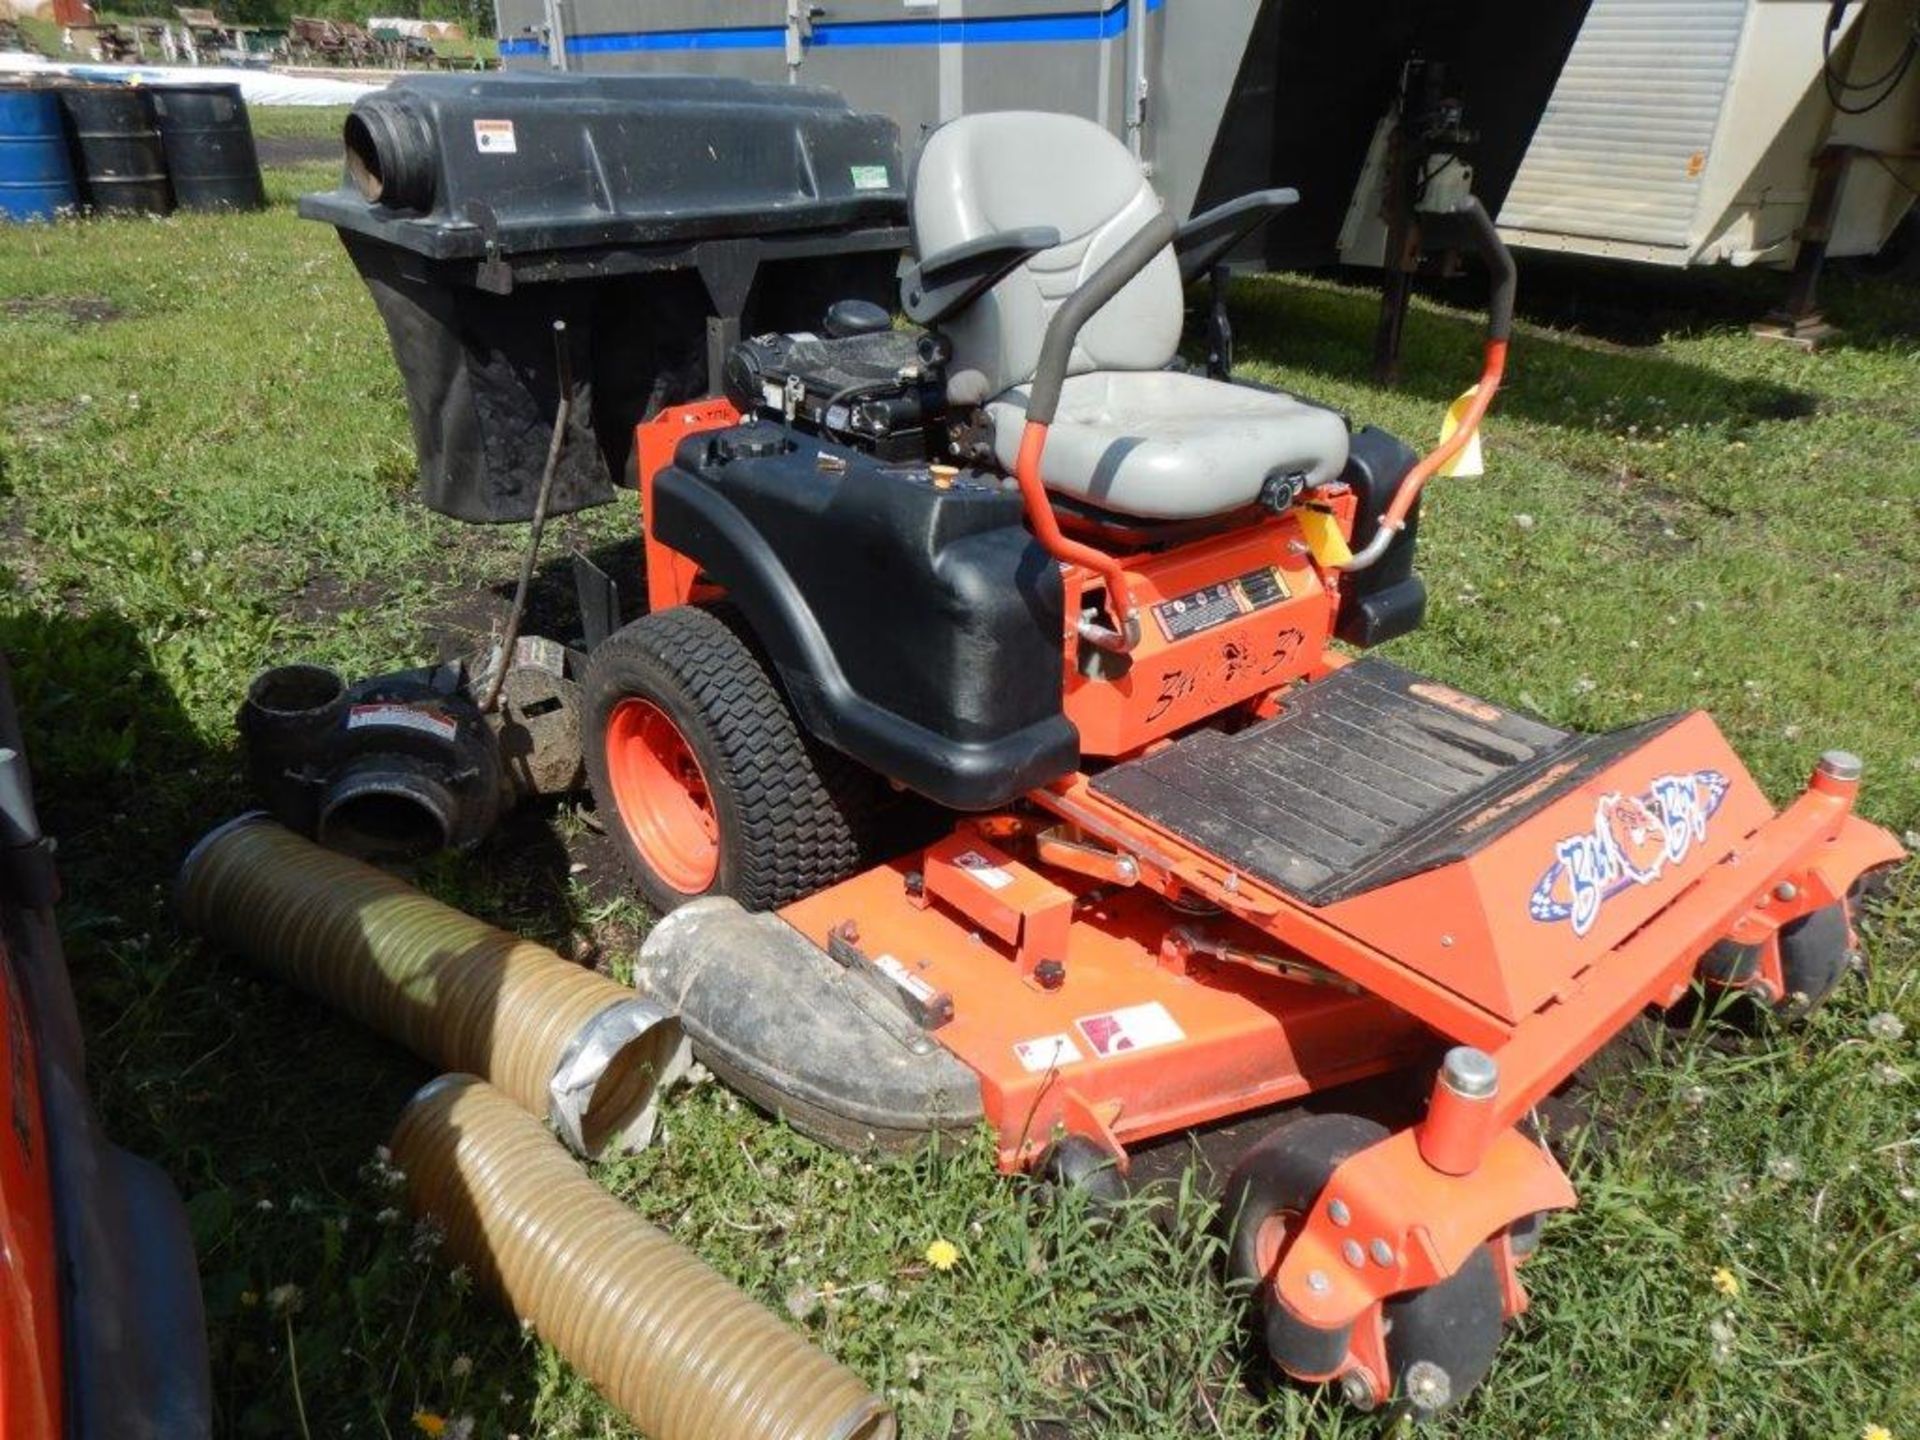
[[683, 1352], [565, 1042]]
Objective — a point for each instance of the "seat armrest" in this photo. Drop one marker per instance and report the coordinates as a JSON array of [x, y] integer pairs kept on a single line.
[[936, 287], [1204, 241]]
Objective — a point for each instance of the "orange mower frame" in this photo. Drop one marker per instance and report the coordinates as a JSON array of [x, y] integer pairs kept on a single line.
[[1110, 976]]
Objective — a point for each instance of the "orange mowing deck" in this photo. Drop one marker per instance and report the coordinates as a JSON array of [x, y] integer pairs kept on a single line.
[[1126, 1047]]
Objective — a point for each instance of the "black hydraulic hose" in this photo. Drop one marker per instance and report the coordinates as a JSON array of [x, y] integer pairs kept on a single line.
[[1471, 228], [1050, 372]]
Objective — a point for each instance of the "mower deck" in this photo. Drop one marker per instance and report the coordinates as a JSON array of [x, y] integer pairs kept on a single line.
[[1129, 1047], [1368, 776]]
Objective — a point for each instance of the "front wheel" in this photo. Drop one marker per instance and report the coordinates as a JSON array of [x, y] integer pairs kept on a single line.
[[1440, 1340], [701, 773]]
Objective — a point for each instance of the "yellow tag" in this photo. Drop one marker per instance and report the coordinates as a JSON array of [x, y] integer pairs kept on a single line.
[[1470, 461], [1324, 539]]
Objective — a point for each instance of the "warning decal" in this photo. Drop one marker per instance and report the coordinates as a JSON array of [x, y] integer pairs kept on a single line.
[[993, 876], [1047, 1052], [897, 972], [404, 717], [1136, 1027], [494, 137]]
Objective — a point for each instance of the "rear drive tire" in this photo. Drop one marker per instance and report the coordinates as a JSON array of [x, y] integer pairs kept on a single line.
[[700, 771]]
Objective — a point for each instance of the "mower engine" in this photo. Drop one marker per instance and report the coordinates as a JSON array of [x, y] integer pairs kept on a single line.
[[863, 384]]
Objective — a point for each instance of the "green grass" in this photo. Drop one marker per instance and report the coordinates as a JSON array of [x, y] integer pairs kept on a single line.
[[298, 122], [205, 459]]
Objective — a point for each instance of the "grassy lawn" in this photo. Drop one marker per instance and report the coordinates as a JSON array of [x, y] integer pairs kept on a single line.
[[206, 464]]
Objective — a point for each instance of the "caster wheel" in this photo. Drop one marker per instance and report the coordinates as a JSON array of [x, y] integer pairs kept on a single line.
[[1440, 1340], [1524, 1234], [1814, 955], [1074, 1162]]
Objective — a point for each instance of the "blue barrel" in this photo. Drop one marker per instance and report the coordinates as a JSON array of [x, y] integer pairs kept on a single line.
[[36, 172]]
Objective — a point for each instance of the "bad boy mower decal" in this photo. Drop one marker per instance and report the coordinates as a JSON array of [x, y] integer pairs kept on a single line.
[[1633, 840]]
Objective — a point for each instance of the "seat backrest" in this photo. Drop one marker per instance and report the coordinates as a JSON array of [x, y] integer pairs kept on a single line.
[[989, 173]]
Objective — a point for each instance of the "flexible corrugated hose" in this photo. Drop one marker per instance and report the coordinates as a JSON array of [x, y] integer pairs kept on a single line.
[[565, 1042], [684, 1353]]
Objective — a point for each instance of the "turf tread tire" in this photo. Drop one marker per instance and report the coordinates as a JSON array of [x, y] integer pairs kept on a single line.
[[792, 813]]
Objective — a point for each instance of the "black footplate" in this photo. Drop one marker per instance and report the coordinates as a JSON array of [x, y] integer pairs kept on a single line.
[[1366, 777]]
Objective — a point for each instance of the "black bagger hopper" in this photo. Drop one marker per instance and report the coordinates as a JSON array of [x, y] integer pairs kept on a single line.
[[661, 217]]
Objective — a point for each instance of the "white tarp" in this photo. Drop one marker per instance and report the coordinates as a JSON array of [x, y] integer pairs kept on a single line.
[[416, 29], [257, 87]]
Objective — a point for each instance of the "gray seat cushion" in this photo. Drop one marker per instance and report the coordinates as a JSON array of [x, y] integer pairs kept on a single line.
[[1161, 445]]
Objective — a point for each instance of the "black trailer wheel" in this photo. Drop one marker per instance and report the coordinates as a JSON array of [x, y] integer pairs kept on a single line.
[[701, 774], [1440, 1341]]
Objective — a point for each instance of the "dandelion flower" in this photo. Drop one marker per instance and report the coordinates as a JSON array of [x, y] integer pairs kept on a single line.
[[430, 1424], [284, 1297], [1876, 1432], [943, 1255], [462, 1367], [1726, 1282], [1784, 1167], [1886, 1026]]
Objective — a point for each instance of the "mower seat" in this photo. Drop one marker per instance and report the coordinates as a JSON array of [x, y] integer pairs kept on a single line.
[[1131, 435]]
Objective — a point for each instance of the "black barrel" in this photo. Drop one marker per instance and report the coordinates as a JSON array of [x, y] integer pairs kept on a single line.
[[209, 143], [119, 161]]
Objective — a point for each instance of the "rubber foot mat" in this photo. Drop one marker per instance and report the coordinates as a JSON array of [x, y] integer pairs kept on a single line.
[[1367, 777]]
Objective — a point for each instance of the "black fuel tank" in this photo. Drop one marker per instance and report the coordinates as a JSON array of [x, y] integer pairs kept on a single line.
[[916, 622]]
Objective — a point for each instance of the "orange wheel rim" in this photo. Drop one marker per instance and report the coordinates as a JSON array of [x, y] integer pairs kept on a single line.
[[1270, 1243], [662, 795]]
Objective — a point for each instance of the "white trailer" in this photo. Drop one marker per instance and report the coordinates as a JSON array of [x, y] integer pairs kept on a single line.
[[1748, 132]]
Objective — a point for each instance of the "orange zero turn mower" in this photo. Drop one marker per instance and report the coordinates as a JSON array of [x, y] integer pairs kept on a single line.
[[986, 754]]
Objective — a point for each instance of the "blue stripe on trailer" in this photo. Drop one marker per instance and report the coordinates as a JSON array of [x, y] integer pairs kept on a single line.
[[934, 30]]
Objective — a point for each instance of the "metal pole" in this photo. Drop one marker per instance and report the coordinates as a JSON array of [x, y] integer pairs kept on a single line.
[[563, 416]]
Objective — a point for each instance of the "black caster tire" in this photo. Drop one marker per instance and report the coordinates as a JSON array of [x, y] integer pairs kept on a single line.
[[1279, 1179], [1440, 1340], [1815, 952], [701, 773], [1074, 1162]]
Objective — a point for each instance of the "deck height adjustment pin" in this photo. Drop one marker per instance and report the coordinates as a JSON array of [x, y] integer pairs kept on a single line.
[[1841, 765], [1470, 1072]]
